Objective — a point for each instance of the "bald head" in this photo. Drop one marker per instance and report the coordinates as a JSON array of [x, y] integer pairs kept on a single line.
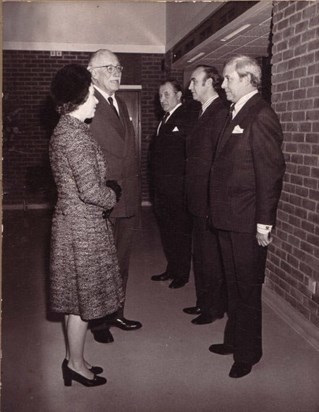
[[106, 71], [98, 58]]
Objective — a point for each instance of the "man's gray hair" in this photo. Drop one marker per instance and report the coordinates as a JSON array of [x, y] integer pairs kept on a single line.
[[245, 65], [97, 56]]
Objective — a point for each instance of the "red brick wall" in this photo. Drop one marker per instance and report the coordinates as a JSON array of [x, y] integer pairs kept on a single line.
[[29, 118], [293, 265]]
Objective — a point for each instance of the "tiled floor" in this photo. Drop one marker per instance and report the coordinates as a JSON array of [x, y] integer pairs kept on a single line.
[[165, 366]]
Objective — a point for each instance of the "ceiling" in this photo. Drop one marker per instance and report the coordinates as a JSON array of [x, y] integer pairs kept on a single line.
[[252, 40]]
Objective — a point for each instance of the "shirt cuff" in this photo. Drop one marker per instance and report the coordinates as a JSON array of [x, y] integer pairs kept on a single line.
[[264, 229]]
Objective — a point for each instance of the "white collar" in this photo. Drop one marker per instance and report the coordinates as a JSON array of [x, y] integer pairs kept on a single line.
[[242, 101], [208, 102], [173, 110], [106, 97]]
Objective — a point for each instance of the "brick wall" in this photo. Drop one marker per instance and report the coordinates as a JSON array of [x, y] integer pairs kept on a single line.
[[29, 117], [293, 265]]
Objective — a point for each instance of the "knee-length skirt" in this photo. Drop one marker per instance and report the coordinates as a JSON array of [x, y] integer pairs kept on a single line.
[[84, 272]]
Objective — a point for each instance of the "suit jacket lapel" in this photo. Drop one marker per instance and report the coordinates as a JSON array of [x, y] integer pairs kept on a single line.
[[169, 121], [207, 113], [110, 114], [236, 121]]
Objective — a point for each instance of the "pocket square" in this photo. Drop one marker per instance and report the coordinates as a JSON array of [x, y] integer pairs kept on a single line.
[[176, 129], [237, 129]]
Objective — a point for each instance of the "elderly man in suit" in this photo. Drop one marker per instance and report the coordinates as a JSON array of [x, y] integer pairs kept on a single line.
[[113, 130], [245, 186], [168, 171], [205, 85]]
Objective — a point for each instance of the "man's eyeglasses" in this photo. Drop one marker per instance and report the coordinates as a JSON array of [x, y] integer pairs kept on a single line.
[[110, 68]]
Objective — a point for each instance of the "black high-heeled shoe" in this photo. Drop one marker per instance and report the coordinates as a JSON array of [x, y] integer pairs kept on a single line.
[[94, 369], [70, 375]]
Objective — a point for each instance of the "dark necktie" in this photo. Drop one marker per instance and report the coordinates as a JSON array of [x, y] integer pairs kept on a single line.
[[227, 121], [110, 99], [163, 120], [165, 117], [229, 117]]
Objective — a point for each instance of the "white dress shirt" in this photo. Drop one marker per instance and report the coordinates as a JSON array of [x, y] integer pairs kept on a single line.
[[106, 96], [169, 115]]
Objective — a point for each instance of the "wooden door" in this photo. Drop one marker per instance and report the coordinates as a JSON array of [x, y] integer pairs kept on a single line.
[[132, 98]]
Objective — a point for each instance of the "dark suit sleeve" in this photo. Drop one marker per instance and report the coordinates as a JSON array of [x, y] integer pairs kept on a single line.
[[269, 165]]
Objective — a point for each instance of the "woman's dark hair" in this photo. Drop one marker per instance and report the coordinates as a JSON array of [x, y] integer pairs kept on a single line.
[[70, 88]]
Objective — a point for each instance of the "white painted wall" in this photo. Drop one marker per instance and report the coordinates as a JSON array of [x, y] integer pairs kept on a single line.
[[85, 26], [129, 26]]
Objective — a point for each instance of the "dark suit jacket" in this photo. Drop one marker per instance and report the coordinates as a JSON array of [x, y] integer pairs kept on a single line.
[[117, 140], [168, 154], [246, 176], [200, 150]]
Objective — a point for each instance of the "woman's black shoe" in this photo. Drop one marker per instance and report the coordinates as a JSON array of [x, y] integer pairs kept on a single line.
[[70, 375], [94, 369]]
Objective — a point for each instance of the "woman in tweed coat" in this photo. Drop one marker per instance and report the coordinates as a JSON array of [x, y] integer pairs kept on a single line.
[[84, 275]]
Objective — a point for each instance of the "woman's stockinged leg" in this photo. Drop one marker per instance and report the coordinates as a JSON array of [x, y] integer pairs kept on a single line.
[[76, 330]]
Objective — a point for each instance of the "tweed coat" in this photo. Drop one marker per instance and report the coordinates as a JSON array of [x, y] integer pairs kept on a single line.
[[84, 273]]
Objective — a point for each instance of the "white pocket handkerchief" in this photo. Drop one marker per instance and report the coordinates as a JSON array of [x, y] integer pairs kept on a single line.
[[176, 129], [237, 129]]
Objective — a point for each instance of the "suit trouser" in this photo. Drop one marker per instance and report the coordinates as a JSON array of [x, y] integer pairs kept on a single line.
[[124, 229], [175, 225], [208, 271], [244, 263]]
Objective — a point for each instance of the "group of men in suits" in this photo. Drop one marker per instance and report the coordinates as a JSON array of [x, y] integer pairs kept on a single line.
[[229, 187], [217, 177]]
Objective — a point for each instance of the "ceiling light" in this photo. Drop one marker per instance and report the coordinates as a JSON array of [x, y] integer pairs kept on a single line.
[[195, 57], [229, 36]]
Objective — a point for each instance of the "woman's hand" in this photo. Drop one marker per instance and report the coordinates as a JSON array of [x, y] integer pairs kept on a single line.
[[112, 184]]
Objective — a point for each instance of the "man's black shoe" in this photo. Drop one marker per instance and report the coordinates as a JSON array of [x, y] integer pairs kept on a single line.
[[162, 276], [221, 349], [177, 283], [125, 324], [240, 369], [103, 336], [193, 310], [205, 319]]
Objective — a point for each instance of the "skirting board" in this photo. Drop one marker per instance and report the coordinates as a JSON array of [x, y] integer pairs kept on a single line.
[[27, 206], [296, 321], [47, 206]]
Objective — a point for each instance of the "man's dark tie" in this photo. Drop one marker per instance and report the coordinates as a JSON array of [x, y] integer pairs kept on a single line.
[[229, 116], [110, 99], [227, 121], [165, 117], [163, 120], [230, 113]]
